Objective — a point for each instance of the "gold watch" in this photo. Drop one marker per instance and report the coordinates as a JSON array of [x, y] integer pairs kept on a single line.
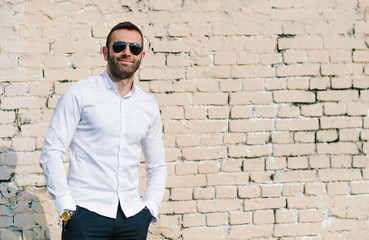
[[67, 214]]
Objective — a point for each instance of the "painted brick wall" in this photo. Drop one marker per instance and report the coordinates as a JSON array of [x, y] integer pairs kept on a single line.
[[264, 105]]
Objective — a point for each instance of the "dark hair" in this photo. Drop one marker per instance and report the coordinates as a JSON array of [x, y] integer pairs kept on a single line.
[[123, 25]]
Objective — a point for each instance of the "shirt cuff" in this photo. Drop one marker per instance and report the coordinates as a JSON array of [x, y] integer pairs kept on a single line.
[[65, 202], [154, 209]]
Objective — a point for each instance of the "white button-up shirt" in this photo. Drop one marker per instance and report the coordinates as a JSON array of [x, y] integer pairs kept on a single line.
[[105, 134]]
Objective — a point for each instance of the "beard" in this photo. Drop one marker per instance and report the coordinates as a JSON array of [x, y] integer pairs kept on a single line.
[[120, 71]]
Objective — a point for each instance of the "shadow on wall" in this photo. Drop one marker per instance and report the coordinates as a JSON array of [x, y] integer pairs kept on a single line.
[[26, 210]]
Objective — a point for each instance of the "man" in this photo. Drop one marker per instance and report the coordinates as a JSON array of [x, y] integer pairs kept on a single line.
[[106, 121]]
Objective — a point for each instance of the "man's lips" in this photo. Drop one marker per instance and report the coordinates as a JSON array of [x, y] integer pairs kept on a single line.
[[125, 60]]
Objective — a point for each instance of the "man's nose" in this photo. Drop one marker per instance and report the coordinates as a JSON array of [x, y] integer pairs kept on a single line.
[[126, 51]]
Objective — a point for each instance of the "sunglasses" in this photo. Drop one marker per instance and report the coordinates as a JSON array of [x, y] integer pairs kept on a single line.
[[133, 47]]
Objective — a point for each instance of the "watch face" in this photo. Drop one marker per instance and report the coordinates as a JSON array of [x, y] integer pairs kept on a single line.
[[65, 216]]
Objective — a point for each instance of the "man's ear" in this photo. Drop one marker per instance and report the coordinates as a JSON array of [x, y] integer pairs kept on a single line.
[[105, 53]]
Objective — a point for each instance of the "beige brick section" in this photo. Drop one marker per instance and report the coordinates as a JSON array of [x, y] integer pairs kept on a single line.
[[251, 231], [302, 229], [264, 107], [264, 203]]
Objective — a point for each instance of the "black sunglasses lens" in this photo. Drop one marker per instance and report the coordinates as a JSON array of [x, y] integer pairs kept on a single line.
[[119, 46], [135, 48]]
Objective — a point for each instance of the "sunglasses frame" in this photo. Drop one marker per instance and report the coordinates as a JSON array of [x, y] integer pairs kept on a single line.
[[119, 46]]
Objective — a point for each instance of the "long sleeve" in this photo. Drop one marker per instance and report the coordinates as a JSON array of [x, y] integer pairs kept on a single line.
[[153, 150], [59, 135]]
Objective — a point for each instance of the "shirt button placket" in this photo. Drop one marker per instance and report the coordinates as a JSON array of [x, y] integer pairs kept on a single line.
[[122, 141]]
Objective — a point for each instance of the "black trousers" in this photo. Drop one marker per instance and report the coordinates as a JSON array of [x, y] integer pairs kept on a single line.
[[87, 225]]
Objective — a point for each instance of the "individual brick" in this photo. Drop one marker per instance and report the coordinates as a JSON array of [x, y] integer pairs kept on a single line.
[[216, 233], [188, 140], [295, 176], [297, 162], [227, 179], [250, 231], [235, 138], [239, 112], [249, 151], [257, 138], [161, 86], [240, 218], [304, 202], [275, 84], [340, 122], [207, 85], [329, 175], [321, 83], [337, 188], [243, 98], [217, 219], [179, 207], [208, 167], [186, 168], [195, 113], [300, 43], [293, 149], [315, 189], [320, 161], [298, 70], [7, 117], [253, 71], [174, 99], [264, 203], [195, 153], [305, 137], [226, 192], [341, 161], [250, 165], [230, 85], [251, 125], [264, 111], [311, 216], [250, 191], [337, 148], [327, 136], [337, 95], [359, 187], [294, 96], [209, 98], [232, 165], [286, 216], [315, 110], [263, 217], [186, 181], [297, 124], [191, 220], [219, 205], [204, 193], [275, 163], [225, 58], [288, 111], [282, 137], [181, 194], [271, 190], [302, 229], [218, 112]]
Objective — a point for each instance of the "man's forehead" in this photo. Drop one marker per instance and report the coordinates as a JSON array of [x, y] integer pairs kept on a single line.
[[126, 36]]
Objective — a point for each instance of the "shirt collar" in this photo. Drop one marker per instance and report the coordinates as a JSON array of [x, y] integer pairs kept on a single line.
[[110, 85]]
